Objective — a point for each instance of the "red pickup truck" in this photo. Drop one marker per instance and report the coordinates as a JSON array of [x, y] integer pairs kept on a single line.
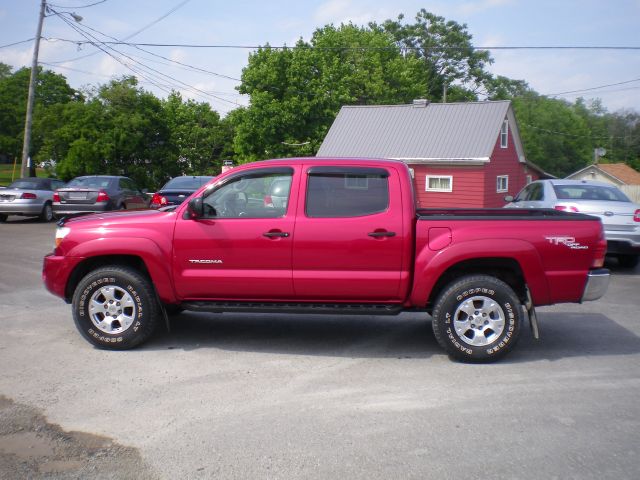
[[335, 236]]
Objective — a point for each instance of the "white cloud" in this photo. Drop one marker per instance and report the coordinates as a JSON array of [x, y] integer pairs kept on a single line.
[[345, 11], [471, 8], [178, 55]]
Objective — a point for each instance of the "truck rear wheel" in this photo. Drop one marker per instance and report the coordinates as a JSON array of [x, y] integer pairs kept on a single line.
[[115, 308], [477, 318]]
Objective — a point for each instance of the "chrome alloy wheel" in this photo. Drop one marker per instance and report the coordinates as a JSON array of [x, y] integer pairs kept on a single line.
[[112, 309], [479, 321]]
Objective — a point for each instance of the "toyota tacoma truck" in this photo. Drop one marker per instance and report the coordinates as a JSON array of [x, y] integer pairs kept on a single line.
[[330, 236]]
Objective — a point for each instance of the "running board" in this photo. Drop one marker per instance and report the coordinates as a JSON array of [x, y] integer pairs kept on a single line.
[[275, 307]]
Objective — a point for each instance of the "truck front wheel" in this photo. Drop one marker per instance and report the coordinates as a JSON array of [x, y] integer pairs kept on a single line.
[[115, 308], [477, 318]]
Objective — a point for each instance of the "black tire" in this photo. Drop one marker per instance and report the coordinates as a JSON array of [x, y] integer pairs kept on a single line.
[[47, 213], [478, 337], [129, 300], [3, 217], [628, 261]]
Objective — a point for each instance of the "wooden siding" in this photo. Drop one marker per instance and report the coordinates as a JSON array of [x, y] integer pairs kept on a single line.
[[468, 186], [504, 161]]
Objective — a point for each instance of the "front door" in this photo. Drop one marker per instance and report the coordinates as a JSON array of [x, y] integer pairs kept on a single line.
[[241, 249]]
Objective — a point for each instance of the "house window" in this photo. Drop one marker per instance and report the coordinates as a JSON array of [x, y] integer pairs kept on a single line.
[[502, 183], [529, 179], [504, 134], [441, 183]]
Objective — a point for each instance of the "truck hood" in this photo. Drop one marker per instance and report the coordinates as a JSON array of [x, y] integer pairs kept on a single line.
[[117, 217]]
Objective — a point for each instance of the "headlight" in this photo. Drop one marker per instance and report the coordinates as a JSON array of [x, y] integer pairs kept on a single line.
[[61, 232]]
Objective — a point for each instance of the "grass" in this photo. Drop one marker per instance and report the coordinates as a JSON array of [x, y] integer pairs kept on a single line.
[[6, 172]]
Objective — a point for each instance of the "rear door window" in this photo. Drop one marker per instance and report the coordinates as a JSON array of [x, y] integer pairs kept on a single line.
[[338, 192]]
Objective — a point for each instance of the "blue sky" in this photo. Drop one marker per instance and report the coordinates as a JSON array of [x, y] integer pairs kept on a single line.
[[242, 22]]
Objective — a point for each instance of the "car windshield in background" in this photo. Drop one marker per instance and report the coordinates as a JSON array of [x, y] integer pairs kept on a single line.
[[90, 182], [26, 184], [589, 192], [187, 182]]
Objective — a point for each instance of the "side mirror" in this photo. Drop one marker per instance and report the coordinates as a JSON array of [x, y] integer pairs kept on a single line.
[[195, 208], [509, 198]]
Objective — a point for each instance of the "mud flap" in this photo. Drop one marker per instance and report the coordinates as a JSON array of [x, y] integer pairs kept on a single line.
[[531, 313]]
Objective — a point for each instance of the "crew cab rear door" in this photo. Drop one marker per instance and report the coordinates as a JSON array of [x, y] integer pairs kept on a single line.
[[348, 242], [241, 248]]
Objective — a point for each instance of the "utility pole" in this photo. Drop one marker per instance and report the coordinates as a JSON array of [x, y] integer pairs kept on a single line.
[[30, 98]]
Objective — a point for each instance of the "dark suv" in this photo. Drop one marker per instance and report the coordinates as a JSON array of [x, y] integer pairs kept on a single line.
[[98, 193]]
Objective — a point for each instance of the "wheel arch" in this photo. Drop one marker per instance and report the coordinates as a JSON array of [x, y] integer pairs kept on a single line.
[[92, 263], [506, 269]]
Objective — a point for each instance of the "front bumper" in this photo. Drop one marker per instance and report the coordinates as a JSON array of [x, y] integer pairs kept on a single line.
[[597, 284], [56, 271]]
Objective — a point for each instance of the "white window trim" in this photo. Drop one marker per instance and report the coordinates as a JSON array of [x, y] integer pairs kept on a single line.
[[498, 182], [504, 134], [448, 177], [529, 179]]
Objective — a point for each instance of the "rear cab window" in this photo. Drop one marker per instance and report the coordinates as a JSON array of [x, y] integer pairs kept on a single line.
[[342, 192]]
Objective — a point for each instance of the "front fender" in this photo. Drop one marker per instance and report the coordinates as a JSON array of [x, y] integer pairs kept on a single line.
[[431, 265], [157, 262]]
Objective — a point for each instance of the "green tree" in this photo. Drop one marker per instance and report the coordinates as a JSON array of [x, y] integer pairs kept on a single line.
[[296, 92], [197, 136], [554, 135], [453, 68], [51, 89]]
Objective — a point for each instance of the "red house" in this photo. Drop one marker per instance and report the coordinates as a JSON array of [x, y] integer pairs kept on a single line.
[[461, 154]]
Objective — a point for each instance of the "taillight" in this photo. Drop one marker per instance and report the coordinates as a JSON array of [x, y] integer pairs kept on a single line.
[[28, 196], [102, 196], [566, 208], [158, 200], [600, 250], [636, 216], [56, 197]]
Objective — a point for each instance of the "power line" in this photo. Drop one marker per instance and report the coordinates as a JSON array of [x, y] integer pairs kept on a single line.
[[17, 43], [97, 43], [592, 88], [311, 47], [80, 6], [162, 17]]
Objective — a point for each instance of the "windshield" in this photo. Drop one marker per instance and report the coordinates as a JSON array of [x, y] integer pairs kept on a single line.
[[189, 183], [91, 182], [589, 192]]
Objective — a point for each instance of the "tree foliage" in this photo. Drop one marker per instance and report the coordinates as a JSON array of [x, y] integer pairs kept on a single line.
[[297, 92]]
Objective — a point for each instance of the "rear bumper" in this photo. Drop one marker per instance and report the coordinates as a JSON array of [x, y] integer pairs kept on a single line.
[[61, 210], [17, 208], [597, 284]]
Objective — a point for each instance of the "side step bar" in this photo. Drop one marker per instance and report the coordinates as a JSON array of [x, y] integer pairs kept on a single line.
[[275, 307]]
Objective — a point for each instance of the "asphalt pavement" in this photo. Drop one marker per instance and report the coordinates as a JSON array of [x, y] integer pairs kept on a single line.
[[287, 396]]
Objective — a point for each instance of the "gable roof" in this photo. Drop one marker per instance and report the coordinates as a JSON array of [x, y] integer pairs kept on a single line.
[[620, 172], [431, 131]]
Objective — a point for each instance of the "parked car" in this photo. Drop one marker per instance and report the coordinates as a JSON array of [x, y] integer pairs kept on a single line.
[[29, 197], [619, 215], [176, 190], [98, 193]]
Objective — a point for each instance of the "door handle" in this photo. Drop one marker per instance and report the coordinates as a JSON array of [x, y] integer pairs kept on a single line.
[[275, 234], [382, 234]]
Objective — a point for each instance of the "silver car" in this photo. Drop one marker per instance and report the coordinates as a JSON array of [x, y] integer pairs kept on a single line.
[[619, 215], [29, 197]]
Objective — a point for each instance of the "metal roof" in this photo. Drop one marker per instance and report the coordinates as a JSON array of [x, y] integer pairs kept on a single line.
[[431, 131]]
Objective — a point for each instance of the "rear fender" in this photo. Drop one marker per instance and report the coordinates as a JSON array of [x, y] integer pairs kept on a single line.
[[431, 265]]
